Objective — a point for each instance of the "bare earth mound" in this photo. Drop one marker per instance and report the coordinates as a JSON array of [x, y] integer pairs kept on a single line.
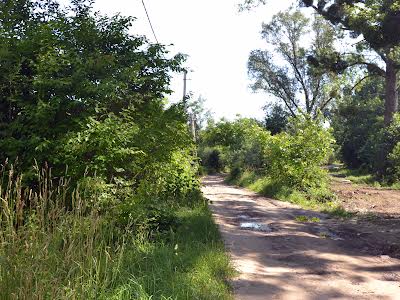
[[281, 258]]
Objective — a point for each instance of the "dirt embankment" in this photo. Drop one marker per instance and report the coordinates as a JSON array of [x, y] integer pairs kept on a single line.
[[279, 257]]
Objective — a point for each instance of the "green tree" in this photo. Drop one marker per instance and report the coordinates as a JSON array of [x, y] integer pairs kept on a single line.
[[357, 123], [283, 70], [375, 24], [374, 29], [276, 118], [64, 70]]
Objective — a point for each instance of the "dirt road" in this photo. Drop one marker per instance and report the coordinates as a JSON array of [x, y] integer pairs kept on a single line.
[[280, 257]]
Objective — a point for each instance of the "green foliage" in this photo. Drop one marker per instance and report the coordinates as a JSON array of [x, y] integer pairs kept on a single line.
[[276, 118], [394, 159], [291, 159], [241, 143], [211, 159], [364, 141], [357, 122], [117, 212], [377, 21], [82, 95], [282, 69], [296, 156], [72, 77], [50, 252]]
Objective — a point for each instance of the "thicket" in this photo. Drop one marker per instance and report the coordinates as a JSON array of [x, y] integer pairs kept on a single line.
[[288, 162], [82, 96], [363, 140], [84, 100]]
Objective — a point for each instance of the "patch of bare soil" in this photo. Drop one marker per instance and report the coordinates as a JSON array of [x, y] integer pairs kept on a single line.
[[280, 258], [367, 200], [377, 215]]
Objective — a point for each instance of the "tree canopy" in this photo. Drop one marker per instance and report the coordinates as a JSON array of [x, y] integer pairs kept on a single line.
[[283, 70], [64, 71], [375, 24]]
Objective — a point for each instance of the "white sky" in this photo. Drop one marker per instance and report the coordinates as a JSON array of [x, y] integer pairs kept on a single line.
[[218, 40]]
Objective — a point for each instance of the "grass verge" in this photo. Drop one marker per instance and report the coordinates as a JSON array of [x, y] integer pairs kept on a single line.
[[91, 260], [359, 176], [321, 199], [49, 252]]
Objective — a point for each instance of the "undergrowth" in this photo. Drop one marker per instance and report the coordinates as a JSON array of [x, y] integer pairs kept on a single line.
[[52, 251], [360, 176]]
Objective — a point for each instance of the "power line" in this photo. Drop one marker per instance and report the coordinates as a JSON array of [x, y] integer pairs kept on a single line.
[[148, 17]]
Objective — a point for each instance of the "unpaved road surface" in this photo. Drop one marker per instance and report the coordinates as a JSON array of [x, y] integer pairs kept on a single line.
[[283, 258]]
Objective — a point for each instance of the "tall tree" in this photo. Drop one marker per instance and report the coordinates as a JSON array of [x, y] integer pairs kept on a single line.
[[276, 118], [375, 24], [282, 69], [375, 27]]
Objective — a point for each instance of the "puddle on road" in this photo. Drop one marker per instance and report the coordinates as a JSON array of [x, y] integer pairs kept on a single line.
[[256, 227], [244, 217]]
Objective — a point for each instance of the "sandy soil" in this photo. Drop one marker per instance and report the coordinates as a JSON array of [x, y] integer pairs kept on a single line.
[[285, 259]]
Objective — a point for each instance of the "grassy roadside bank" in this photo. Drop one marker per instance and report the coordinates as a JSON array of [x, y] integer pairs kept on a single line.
[[359, 176], [321, 199], [49, 252]]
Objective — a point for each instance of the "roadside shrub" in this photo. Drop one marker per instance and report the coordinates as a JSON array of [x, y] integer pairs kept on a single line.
[[240, 144], [295, 157], [291, 160], [394, 159]]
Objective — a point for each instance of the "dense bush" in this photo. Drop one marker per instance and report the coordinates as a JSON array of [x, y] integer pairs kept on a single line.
[[83, 96], [363, 140], [357, 124], [240, 144], [394, 159], [292, 158], [212, 160], [84, 99], [389, 168], [296, 156]]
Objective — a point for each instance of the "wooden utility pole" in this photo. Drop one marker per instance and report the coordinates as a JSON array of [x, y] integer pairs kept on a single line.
[[184, 86], [193, 127], [192, 121]]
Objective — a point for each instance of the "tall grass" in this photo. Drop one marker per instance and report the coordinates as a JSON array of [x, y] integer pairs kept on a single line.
[[55, 244]]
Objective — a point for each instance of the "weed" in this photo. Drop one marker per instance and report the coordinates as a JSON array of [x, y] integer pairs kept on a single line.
[[50, 252], [306, 219]]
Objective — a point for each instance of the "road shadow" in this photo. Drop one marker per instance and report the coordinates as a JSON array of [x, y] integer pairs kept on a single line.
[[327, 259]]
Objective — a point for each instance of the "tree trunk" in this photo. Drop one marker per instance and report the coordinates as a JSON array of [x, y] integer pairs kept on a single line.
[[392, 96]]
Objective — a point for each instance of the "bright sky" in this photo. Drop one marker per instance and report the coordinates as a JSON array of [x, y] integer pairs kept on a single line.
[[218, 40]]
